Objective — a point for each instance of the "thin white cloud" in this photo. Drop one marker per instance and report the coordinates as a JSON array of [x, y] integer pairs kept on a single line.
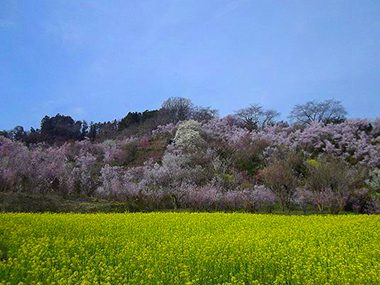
[[77, 112], [4, 24], [8, 14], [229, 7], [99, 66], [67, 31]]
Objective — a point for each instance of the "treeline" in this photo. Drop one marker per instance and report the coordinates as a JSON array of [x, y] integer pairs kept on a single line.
[[61, 128], [185, 157]]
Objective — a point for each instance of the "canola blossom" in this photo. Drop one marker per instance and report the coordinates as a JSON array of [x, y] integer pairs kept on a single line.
[[188, 248]]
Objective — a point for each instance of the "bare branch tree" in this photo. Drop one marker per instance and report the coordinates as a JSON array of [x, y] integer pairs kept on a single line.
[[202, 114], [250, 116], [178, 108], [255, 117], [328, 111], [181, 109], [269, 118]]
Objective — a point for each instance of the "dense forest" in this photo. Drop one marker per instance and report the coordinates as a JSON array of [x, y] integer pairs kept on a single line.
[[184, 156]]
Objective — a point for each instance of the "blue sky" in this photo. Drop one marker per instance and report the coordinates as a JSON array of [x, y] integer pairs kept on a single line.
[[97, 60]]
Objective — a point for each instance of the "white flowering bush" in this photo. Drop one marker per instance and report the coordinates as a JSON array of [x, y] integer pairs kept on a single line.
[[374, 180], [188, 135], [207, 166]]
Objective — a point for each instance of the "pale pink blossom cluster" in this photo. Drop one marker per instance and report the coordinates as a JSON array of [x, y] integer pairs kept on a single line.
[[355, 140], [215, 165]]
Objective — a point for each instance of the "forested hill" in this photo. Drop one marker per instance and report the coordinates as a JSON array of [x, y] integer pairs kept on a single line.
[[184, 157]]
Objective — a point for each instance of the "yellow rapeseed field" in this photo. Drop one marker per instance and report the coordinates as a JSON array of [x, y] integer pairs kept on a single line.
[[188, 248]]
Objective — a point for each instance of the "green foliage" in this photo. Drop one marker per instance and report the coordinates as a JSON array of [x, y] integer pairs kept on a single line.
[[250, 165], [3, 250], [20, 202], [136, 118], [312, 162], [61, 127], [249, 157], [329, 174], [283, 176], [228, 177], [130, 151]]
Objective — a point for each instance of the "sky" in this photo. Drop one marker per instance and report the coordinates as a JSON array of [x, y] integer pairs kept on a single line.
[[98, 60]]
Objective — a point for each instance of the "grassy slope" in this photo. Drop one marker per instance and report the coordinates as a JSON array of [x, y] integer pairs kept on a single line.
[[36, 203]]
